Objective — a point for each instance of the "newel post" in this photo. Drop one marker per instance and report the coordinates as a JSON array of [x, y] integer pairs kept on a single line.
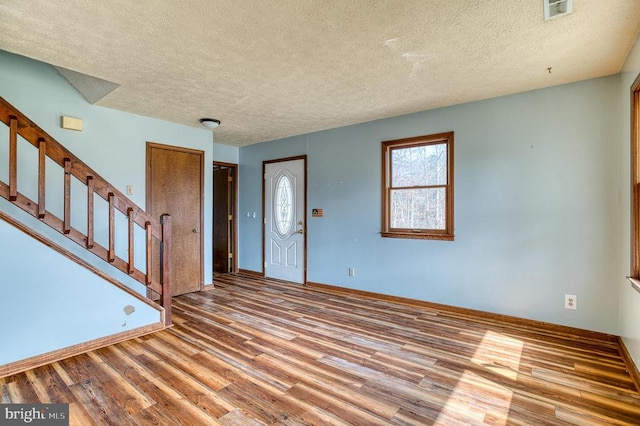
[[165, 266]]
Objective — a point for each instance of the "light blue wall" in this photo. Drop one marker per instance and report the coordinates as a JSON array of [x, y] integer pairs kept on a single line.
[[537, 187], [49, 302], [225, 153], [629, 298]]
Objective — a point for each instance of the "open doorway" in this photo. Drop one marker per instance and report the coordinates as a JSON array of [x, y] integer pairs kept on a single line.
[[225, 232]]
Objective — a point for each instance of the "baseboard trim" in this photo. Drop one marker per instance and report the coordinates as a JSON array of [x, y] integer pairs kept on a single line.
[[60, 354], [632, 368], [487, 316]]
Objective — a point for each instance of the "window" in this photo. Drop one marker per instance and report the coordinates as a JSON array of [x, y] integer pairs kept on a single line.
[[283, 206], [635, 182], [635, 185], [417, 187]]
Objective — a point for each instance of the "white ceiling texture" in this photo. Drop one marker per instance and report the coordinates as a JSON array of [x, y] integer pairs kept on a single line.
[[270, 69]]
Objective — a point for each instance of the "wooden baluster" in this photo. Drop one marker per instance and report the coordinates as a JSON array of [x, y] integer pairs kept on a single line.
[[13, 158], [112, 228], [147, 227], [131, 218], [20, 126], [66, 225], [42, 177], [90, 189], [165, 267]]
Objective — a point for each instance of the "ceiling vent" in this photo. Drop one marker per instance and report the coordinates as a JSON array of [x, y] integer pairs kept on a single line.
[[555, 8]]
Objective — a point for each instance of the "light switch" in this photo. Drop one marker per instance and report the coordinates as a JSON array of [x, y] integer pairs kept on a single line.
[[129, 189]]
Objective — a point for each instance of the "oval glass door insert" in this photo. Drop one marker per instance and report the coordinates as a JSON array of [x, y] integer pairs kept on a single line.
[[283, 205]]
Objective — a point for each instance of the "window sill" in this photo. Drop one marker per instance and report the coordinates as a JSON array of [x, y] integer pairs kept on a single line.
[[417, 236], [635, 283]]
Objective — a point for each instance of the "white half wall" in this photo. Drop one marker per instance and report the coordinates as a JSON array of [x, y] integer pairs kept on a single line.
[[50, 302]]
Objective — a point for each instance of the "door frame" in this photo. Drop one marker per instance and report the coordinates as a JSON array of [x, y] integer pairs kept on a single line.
[[199, 153], [234, 212], [264, 211]]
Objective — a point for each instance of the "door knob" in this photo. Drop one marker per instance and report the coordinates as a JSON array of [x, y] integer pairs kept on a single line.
[[195, 230], [300, 231]]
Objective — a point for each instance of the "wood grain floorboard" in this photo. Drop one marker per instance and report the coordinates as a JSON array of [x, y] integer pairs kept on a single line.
[[260, 352]]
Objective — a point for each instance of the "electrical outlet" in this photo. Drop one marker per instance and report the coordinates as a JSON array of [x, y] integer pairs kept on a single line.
[[570, 301], [352, 272]]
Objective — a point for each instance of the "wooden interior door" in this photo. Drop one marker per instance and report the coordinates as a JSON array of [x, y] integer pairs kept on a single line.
[[175, 186], [222, 217]]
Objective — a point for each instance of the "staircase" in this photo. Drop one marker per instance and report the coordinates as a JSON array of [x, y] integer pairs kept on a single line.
[[155, 272]]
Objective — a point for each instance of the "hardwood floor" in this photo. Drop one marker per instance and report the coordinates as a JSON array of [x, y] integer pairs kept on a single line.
[[255, 351]]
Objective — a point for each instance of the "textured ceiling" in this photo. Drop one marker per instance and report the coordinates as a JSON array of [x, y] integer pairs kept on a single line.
[[270, 69]]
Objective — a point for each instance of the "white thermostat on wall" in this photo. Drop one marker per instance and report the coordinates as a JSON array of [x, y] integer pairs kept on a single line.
[[71, 123]]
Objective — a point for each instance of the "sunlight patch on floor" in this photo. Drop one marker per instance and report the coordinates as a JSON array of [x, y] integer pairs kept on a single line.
[[495, 353], [499, 354], [467, 405]]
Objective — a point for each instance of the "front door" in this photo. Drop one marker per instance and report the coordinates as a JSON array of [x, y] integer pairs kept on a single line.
[[285, 228], [174, 186]]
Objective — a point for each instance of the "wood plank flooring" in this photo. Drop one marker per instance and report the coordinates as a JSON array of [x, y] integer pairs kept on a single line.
[[254, 351]]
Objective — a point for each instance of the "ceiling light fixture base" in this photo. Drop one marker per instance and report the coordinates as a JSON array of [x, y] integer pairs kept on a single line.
[[210, 123]]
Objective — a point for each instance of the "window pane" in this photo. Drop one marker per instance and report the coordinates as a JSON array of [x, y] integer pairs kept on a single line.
[[283, 205], [419, 166], [418, 208]]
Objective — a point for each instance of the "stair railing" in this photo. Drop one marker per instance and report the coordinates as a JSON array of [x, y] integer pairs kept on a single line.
[[157, 232]]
